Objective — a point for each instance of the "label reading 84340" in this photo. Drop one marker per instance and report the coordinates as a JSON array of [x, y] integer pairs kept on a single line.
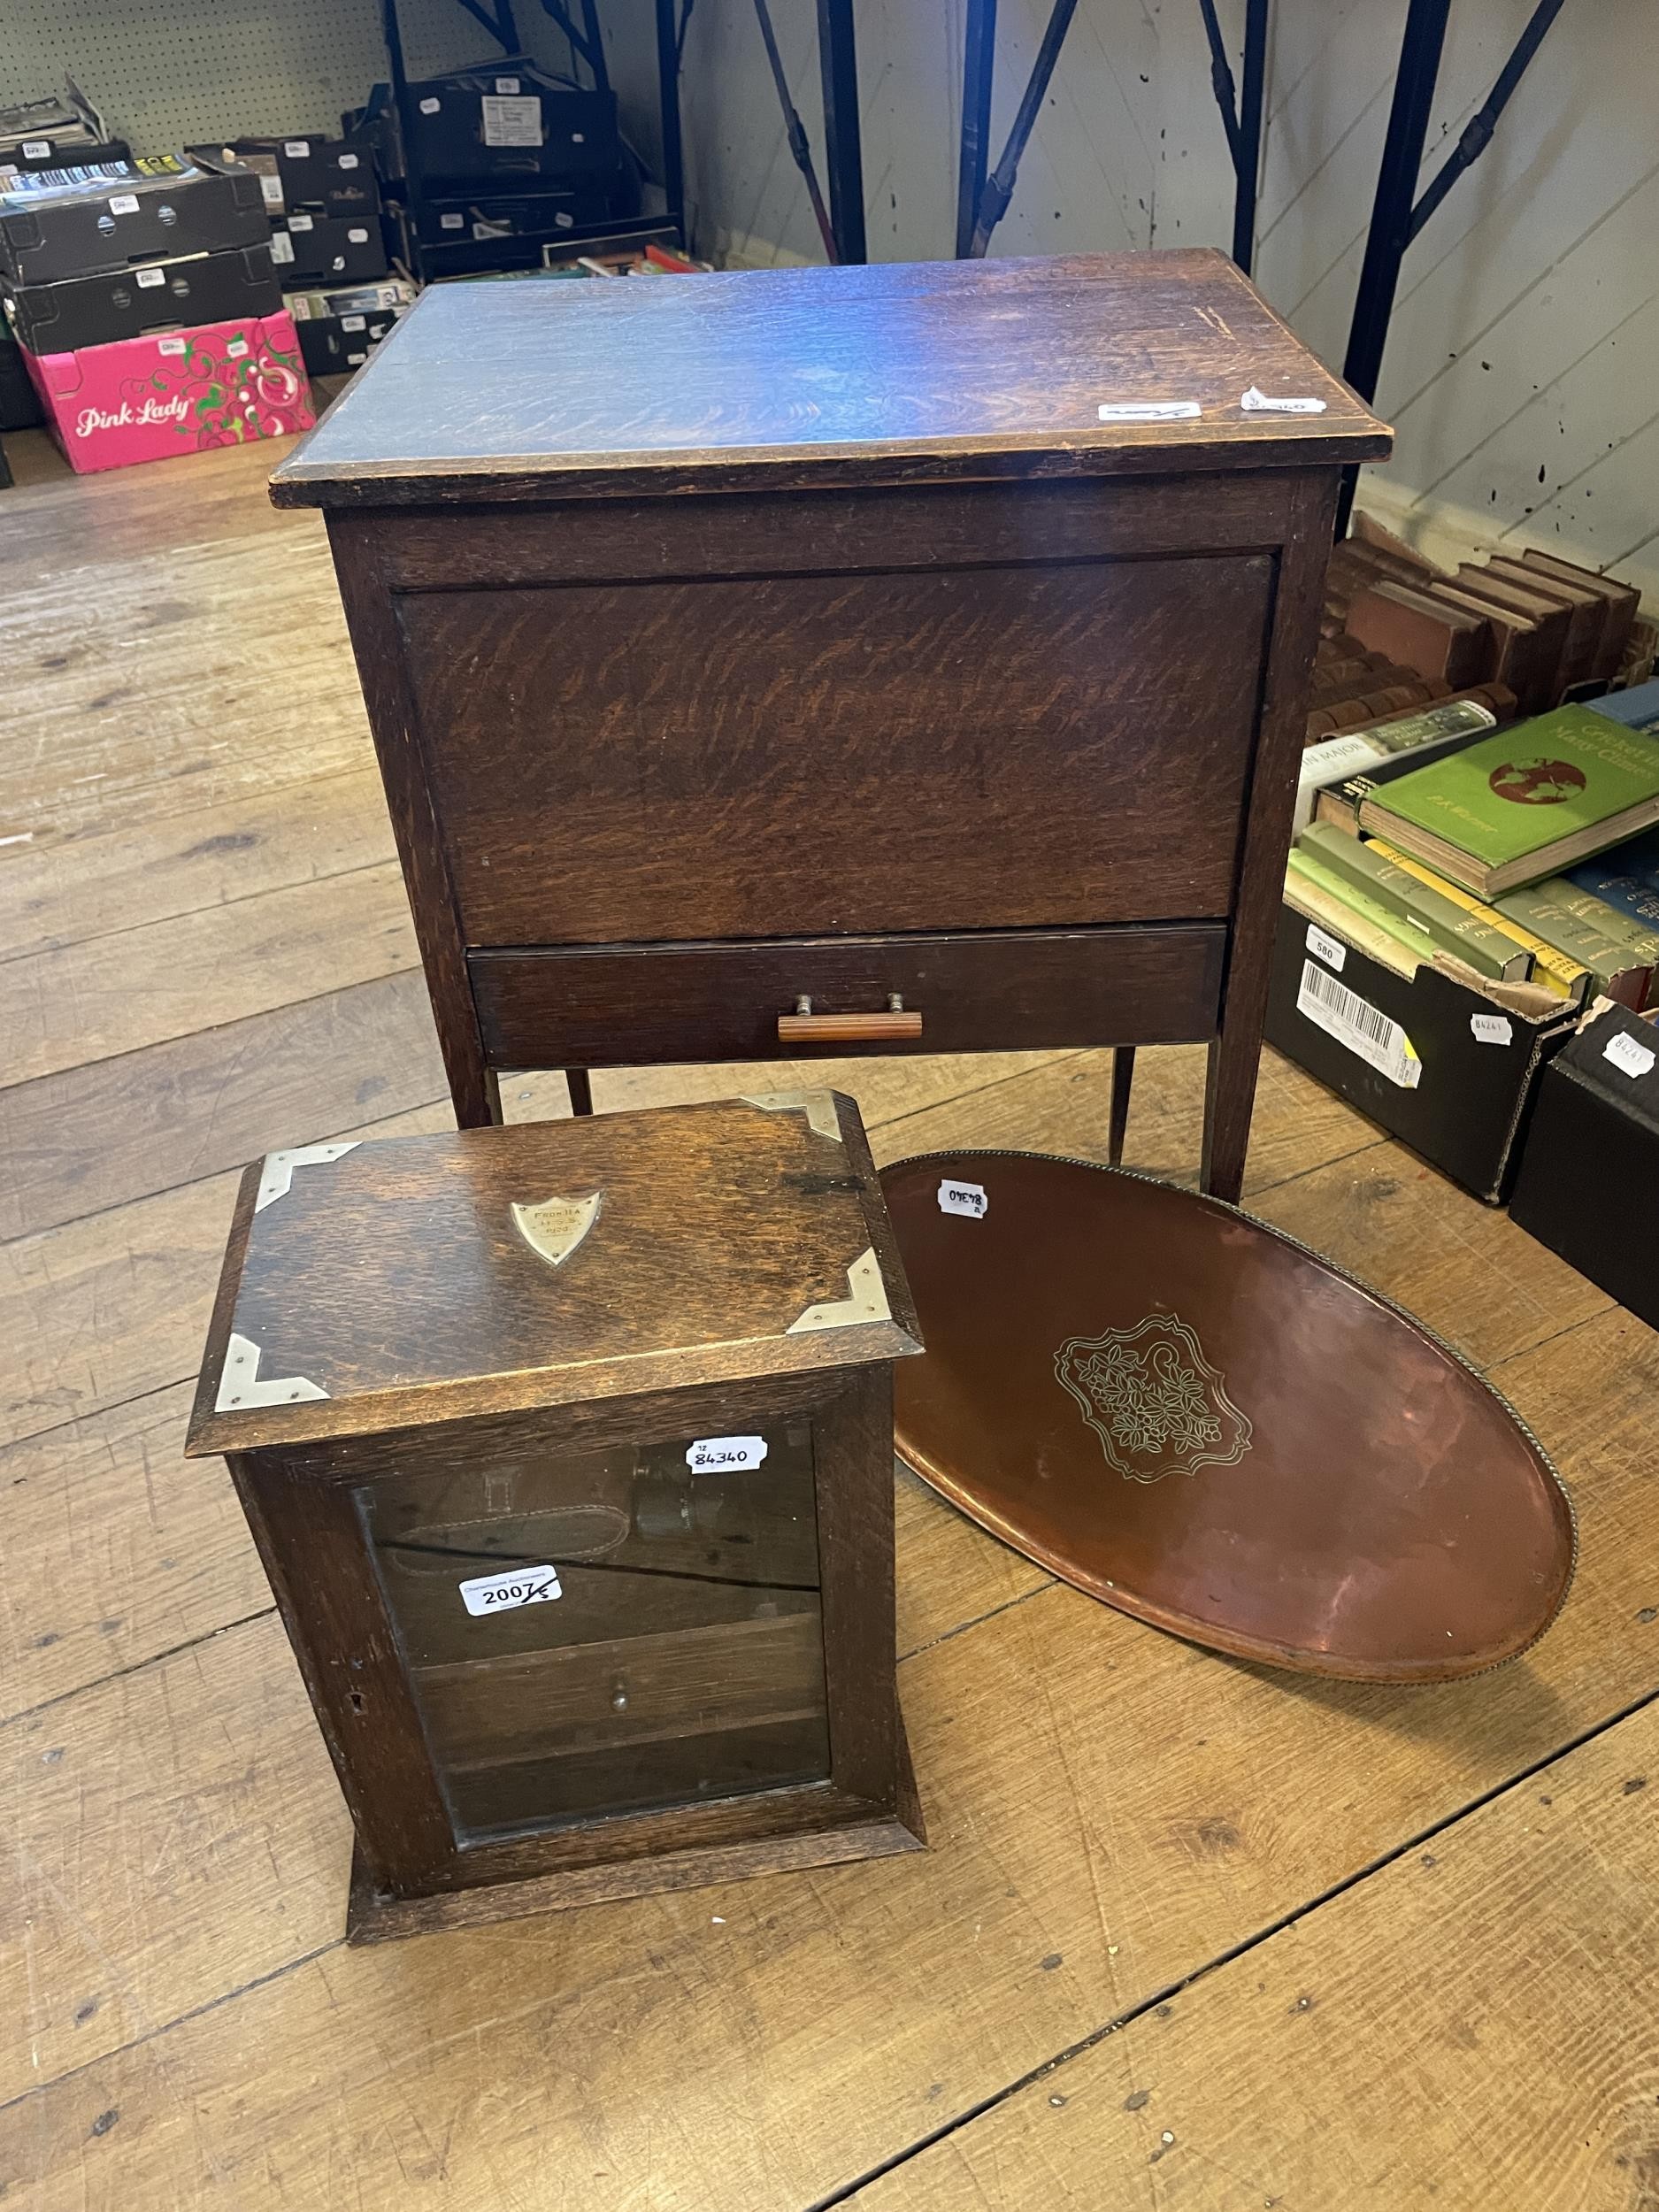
[[963, 1198], [513, 1586], [724, 1455]]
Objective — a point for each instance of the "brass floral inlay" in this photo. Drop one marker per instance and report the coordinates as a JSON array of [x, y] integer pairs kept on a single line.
[[1155, 1402]]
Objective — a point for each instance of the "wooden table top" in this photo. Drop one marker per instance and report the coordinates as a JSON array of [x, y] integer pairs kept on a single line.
[[790, 378]]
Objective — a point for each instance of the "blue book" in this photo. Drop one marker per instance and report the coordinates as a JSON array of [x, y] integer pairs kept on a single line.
[[1638, 708], [1627, 875]]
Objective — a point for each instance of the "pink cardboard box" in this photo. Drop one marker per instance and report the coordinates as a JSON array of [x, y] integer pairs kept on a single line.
[[141, 399]]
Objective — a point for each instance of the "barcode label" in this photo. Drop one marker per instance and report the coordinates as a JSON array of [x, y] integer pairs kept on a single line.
[[1355, 1022]]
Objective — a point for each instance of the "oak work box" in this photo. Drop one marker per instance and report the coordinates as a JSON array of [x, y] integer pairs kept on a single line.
[[568, 1449], [770, 662]]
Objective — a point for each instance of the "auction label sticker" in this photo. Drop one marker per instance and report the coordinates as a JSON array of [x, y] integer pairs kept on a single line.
[[513, 1587], [1627, 1055], [1331, 949], [724, 1455], [963, 1198], [1492, 1029]]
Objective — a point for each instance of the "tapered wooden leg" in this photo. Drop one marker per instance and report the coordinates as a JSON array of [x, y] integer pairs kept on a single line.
[[580, 1085], [1123, 1078], [1229, 1100]]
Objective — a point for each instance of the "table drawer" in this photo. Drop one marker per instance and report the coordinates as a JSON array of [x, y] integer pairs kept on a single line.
[[611, 1005]]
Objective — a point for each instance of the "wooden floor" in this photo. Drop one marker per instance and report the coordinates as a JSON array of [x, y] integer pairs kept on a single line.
[[1189, 1934]]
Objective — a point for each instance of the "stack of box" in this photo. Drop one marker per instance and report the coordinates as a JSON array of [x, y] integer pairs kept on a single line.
[[55, 135], [43, 134], [327, 240], [148, 309], [503, 160]]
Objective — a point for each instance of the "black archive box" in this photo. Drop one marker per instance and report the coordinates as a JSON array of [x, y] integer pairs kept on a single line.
[[19, 402], [73, 227], [336, 176], [510, 123], [95, 311], [1429, 1059], [1588, 1185], [328, 248]]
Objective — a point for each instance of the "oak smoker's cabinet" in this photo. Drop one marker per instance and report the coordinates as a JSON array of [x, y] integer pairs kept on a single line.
[[763, 664], [568, 1449]]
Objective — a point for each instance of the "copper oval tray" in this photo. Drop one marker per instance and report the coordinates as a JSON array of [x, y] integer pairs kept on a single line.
[[1190, 1416]]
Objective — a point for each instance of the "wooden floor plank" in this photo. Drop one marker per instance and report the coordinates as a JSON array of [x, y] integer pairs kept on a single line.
[[116, 1305], [57, 891], [1461, 1267], [97, 1136], [1474, 2026], [116, 1549], [90, 1001], [1108, 1811], [1297, 1126], [187, 690], [196, 499]]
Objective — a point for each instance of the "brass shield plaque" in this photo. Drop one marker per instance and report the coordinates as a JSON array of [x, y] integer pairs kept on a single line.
[[555, 1227]]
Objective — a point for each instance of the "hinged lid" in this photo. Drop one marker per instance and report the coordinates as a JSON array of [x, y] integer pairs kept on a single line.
[[378, 1285], [897, 373]]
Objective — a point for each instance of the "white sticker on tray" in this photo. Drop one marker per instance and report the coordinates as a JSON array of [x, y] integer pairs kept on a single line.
[[430, 107], [513, 1587], [963, 1198], [270, 190], [354, 322], [1355, 1022], [37, 149], [296, 149], [124, 204], [511, 122], [149, 279], [1492, 1029], [1150, 410], [507, 84], [451, 222], [1627, 1055], [171, 345], [235, 349], [724, 1455], [299, 222], [281, 246], [1256, 401], [1331, 949], [346, 161]]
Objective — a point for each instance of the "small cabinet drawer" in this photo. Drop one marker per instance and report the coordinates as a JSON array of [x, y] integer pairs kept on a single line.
[[1010, 990]]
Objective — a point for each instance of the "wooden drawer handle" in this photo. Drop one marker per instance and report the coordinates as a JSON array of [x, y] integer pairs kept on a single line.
[[804, 1027]]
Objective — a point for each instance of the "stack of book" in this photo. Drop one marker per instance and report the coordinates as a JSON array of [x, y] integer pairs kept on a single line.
[[1396, 626], [1526, 858]]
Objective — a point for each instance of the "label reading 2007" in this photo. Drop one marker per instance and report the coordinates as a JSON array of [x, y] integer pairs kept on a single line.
[[516, 1585]]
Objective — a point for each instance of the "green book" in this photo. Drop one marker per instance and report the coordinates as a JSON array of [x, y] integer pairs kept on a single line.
[[1525, 802], [1435, 922], [1549, 910], [1303, 866]]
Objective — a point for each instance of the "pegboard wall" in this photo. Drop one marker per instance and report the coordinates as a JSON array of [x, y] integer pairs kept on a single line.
[[172, 73]]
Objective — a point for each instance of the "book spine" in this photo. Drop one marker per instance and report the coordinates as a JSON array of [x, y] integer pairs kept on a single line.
[[1640, 939], [1620, 971], [1304, 896], [1440, 921], [1304, 869], [1550, 966], [1636, 900]]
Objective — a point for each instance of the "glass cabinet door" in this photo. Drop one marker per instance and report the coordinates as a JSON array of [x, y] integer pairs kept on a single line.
[[594, 1633]]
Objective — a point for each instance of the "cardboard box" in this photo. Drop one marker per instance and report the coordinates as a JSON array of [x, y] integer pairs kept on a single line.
[[19, 402], [143, 399], [328, 248], [56, 134], [99, 310], [1588, 1185], [331, 176], [335, 345], [510, 123], [73, 226], [1431, 1060]]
